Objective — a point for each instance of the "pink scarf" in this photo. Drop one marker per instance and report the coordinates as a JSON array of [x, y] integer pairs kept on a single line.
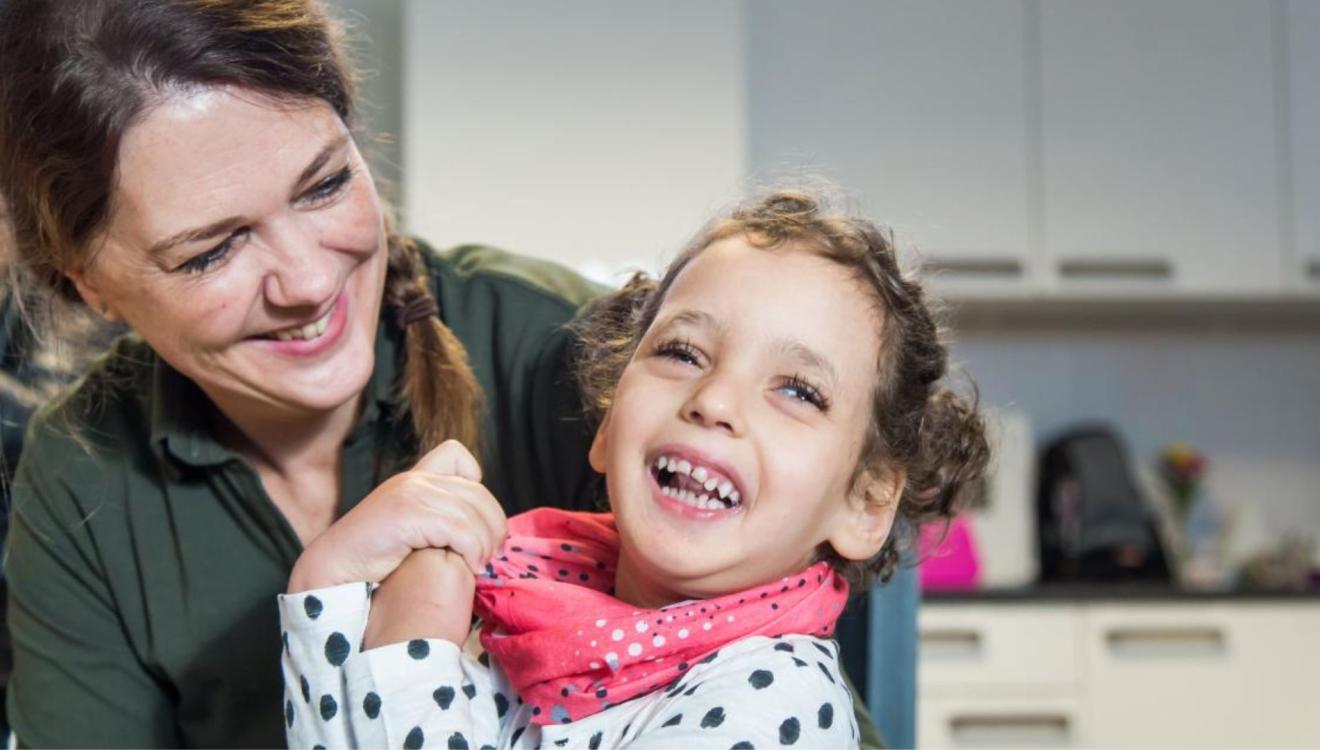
[[571, 649]]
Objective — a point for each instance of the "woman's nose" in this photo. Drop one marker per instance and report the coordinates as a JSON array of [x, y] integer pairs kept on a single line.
[[300, 273], [715, 404]]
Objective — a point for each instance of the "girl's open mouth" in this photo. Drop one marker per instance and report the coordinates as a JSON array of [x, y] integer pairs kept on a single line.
[[695, 485]]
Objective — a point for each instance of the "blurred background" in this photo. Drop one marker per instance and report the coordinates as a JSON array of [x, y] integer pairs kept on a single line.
[[1119, 202]]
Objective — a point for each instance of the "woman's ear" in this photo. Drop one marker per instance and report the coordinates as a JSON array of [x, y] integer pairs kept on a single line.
[[600, 445], [862, 528], [91, 296]]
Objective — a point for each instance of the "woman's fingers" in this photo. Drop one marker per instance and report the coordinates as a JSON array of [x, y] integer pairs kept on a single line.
[[450, 458]]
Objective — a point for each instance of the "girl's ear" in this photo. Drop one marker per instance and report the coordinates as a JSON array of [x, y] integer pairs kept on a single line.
[[600, 445], [862, 528]]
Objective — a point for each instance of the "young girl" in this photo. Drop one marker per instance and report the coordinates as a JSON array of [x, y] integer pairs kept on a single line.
[[767, 409]]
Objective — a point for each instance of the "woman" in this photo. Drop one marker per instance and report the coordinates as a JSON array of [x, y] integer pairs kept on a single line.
[[187, 168]]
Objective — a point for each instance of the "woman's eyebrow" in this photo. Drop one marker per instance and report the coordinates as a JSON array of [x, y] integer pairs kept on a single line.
[[230, 223], [320, 160]]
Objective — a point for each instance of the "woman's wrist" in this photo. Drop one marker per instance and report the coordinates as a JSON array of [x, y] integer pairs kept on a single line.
[[313, 570]]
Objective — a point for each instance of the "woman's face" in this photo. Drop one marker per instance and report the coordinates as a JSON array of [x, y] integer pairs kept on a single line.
[[247, 246]]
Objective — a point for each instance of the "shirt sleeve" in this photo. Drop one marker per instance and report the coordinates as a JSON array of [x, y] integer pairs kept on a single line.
[[77, 678], [423, 693], [788, 695]]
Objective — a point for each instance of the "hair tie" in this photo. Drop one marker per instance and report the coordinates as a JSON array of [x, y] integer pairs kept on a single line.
[[420, 308]]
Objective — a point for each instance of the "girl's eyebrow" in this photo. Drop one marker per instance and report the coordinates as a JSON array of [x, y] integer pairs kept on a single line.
[[695, 318], [228, 224], [810, 358]]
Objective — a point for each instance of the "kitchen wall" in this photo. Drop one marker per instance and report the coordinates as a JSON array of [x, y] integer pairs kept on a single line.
[[602, 134]]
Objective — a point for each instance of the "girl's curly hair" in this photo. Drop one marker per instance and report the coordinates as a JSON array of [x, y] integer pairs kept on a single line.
[[918, 425]]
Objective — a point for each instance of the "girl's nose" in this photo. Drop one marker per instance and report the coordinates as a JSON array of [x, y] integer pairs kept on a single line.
[[715, 404], [300, 273]]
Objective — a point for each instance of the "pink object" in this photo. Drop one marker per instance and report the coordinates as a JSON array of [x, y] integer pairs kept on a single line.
[[949, 562], [571, 649]]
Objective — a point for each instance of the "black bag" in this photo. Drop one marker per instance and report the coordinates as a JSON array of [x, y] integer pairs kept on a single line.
[[1094, 522]]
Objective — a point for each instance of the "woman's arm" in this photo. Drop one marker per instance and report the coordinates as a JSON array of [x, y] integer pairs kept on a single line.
[[77, 680]]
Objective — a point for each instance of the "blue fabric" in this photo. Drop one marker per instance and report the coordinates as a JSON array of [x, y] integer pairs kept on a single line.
[[892, 671]]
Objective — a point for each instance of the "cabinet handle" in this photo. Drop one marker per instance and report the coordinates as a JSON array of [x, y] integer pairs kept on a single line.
[[1147, 269], [1010, 730], [1313, 269], [1166, 641], [950, 642], [990, 267]]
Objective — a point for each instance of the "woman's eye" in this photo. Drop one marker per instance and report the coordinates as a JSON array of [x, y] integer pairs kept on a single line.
[[680, 351], [207, 260], [329, 187], [799, 389]]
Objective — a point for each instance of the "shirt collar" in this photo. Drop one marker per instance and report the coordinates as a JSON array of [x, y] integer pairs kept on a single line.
[[181, 414]]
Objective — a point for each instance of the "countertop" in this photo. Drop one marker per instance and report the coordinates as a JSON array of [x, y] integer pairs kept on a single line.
[[1053, 593]]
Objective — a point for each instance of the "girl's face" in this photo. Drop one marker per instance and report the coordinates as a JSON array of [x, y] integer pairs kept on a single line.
[[247, 247], [730, 444]]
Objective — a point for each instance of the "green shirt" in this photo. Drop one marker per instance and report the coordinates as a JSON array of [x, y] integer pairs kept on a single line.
[[144, 557]]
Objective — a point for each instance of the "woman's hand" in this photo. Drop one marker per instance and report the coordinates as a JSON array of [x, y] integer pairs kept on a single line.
[[428, 596], [438, 503]]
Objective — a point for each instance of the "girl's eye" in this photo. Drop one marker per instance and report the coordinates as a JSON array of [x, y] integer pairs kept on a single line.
[[329, 187], [681, 351], [798, 388], [205, 261]]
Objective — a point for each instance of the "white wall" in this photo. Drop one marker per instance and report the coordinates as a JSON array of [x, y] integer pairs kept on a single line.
[[599, 134]]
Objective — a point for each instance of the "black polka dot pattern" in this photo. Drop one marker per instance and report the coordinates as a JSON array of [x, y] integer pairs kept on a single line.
[[470, 691], [713, 718], [415, 739], [337, 649], [443, 696], [825, 716], [673, 721], [501, 705], [419, 649], [371, 705], [457, 741], [761, 679], [594, 742], [306, 689], [313, 607], [789, 731], [744, 745], [328, 707], [288, 713]]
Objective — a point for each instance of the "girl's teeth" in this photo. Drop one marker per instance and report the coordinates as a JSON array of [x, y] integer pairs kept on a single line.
[[699, 474], [684, 467], [710, 484], [725, 489], [661, 462]]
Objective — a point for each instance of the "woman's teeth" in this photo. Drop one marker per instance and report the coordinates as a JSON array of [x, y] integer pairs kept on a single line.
[[302, 333], [719, 493]]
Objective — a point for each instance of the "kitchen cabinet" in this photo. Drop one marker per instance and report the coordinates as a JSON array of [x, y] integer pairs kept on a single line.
[[1119, 673], [1301, 35], [916, 108], [1158, 148]]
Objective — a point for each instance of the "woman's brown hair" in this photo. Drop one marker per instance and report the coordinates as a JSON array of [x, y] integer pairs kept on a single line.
[[918, 426], [75, 75]]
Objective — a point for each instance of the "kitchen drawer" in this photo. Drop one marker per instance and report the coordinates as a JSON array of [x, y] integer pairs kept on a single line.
[[1000, 722], [1233, 675], [963, 650]]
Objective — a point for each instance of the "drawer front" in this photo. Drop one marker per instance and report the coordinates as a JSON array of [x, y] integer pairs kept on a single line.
[[1230, 675], [1000, 723], [965, 649]]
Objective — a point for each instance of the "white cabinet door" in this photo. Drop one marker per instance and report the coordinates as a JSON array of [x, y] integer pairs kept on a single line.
[[1159, 163], [1001, 722], [965, 651], [918, 110], [1302, 21], [1199, 676]]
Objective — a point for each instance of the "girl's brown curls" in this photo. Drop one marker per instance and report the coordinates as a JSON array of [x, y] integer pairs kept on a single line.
[[935, 437]]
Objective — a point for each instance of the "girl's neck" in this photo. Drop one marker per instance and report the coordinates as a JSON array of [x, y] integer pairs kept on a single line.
[[634, 588]]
